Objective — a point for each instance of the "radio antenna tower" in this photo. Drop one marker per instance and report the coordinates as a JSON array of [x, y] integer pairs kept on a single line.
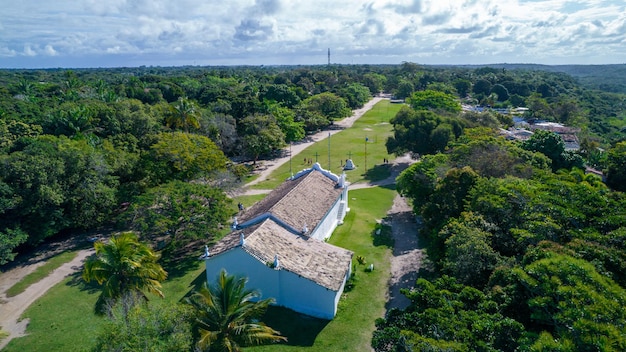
[[328, 56]]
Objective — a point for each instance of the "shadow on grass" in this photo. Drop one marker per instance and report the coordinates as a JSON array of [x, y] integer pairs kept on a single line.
[[178, 260], [300, 329], [378, 173], [196, 285], [382, 236], [76, 280]]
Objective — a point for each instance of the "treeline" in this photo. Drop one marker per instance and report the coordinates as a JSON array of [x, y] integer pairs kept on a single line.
[[83, 148], [525, 250]]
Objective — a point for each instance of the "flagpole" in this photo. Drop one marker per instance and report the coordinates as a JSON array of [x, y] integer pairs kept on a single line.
[[365, 154], [328, 151]]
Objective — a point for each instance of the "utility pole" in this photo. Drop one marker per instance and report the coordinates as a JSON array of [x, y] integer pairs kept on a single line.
[[366, 139]]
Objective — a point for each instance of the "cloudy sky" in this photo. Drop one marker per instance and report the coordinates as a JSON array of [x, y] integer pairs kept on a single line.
[[106, 33]]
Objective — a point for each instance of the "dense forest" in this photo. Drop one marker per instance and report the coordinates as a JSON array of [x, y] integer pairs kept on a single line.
[[526, 250]]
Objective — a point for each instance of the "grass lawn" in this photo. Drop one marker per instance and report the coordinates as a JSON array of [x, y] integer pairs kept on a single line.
[[352, 328], [40, 273], [350, 142], [63, 319]]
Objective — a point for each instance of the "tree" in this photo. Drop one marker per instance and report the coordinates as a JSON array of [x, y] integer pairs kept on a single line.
[[404, 90], [262, 135], [184, 156], [435, 101], [328, 104], [616, 167], [227, 316], [375, 82], [446, 316], [413, 131], [180, 211], [123, 265], [286, 120], [569, 297], [500, 91], [183, 114], [283, 94], [356, 95], [469, 256], [419, 180], [462, 87], [9, 240], [551, 145]]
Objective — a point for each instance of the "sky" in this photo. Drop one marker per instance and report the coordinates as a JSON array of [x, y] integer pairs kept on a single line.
[[130, 33]]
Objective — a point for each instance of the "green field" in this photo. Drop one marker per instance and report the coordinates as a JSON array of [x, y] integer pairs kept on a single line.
[[373, 125]]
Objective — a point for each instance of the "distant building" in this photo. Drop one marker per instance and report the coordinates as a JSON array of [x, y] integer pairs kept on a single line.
[[569, 134], [279, 244]]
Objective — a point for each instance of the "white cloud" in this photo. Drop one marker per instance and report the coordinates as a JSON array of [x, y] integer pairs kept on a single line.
[[49, 50], [297, 31], [28, 51]]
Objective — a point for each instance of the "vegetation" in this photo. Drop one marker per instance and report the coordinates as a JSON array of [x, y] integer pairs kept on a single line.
[[523, 245], [123, 266], [516, 232], [135, 327], [226, 316]]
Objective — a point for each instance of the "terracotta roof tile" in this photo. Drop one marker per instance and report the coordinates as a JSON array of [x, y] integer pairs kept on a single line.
[[299, 202], [305, 200], [318, 261]]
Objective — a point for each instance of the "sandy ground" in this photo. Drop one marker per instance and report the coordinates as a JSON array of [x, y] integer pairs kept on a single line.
[[11, 308], [407, 257]]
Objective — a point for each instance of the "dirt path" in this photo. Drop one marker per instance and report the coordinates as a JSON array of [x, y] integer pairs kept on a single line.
[[269, 166], [407, 257], [12, 308]]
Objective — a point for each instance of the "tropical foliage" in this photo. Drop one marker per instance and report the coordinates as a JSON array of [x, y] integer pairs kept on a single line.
[[227, 316], [123, 265], [145, 327]]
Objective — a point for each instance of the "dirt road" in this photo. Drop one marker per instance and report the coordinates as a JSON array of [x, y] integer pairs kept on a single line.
[[407, 256], [12, 308]]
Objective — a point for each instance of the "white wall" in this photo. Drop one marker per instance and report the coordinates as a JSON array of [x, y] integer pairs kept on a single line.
[[306, 297], [325, 228], [288, 289]]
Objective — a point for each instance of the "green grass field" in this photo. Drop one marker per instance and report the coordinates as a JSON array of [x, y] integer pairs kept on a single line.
[[348, 143]]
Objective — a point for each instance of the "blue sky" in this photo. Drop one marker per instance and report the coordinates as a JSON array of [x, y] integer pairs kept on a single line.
[[114, 33]]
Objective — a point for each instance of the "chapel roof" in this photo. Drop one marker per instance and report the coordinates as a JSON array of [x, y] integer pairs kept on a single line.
[[318, 261], [299, 202]]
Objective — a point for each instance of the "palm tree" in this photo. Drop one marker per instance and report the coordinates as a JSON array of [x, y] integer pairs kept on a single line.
[[183, 113], [226, 316], [124, 265]]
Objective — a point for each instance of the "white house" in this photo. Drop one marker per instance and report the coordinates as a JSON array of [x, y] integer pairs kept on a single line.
[[279, 244]]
